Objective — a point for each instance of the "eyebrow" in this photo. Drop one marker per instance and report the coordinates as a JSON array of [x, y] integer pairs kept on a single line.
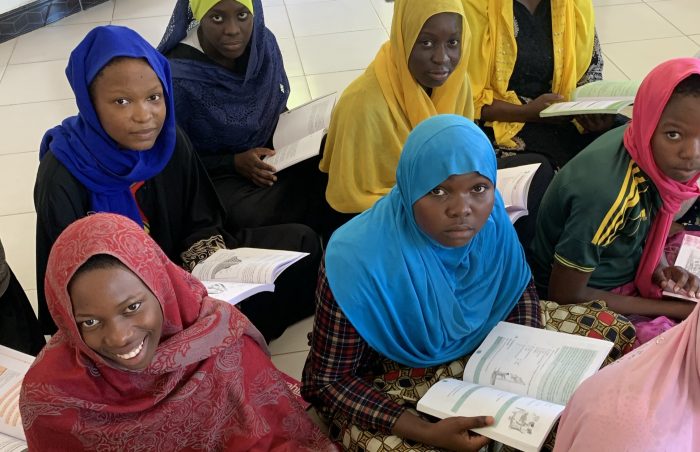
[[126, 302]]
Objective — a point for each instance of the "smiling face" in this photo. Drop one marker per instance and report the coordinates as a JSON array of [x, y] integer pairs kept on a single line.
[[129, 102], [117, 315], [454, 211], [225, 30], [676, 140], [437, 50]]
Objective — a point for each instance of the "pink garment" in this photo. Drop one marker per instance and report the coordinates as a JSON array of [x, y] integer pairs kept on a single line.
[[649, 400], [210, 386], [651, 99]]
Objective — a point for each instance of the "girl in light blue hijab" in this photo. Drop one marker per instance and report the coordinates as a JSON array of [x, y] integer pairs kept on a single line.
[[410, 289], [410, 297]]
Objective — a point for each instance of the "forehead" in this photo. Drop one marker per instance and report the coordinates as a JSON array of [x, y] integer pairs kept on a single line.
[[101, 290], [443, 23], [228, 6], [682, 108], [127, 72], [466, 179]]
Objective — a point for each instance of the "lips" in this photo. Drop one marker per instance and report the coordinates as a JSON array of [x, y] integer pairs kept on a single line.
[[145, 133], [232, 45], [134, 352], [439, 75]]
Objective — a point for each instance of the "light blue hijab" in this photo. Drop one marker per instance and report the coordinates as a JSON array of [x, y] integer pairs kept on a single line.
[[413, 300]]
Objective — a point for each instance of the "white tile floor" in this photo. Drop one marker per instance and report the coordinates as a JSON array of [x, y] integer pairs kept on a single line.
[[325, 44]]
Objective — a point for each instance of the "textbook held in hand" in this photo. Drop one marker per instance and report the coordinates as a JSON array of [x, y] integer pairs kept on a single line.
[[300, 131], [521, 376], [601, 97], [234, 275], [13, 366], [514, 185], [688, 258]]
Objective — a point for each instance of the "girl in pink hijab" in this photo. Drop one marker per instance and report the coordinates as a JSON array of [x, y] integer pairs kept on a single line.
[[605, 219], [650, 399]]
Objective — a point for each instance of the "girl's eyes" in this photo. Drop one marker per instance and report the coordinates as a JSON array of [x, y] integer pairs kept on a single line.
[[453, 42], [133, 307], [216, 18], [89, 323], [673, 135], [121, 101], [480, 188], [243, 16], [155, 97], [427, 43], [438, 191]]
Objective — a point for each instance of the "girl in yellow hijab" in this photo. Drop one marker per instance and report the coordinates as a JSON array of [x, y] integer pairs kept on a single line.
[[525, 55], [420, 72]]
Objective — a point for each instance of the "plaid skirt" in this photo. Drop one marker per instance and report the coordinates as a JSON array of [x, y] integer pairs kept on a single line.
[[406, 385]]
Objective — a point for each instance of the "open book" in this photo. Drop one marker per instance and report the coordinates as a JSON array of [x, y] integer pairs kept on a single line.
[[234, 275], [521, 376], [300, 132], [13, 366], [514, 185], [601, 97], [688, 258]]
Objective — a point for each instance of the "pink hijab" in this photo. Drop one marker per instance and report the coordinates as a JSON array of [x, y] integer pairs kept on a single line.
[[652, 97], [210, 386], [649, 400]]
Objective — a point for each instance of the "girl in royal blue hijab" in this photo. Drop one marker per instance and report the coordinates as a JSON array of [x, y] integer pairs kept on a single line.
[[123, 154], [411, 287], [230, 89]]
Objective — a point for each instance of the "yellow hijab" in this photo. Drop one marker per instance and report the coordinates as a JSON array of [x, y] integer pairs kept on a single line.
[[494, 51], [377, 111], [200, 7]]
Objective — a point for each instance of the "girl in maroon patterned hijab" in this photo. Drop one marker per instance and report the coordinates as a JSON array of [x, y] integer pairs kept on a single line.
[[145, 360]]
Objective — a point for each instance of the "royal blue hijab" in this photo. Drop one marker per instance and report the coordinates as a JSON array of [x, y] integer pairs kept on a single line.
[[221, 111], [413, 300], [82, 145]]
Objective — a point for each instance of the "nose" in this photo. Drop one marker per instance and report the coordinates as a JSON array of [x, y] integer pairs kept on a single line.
[[458, 207], [691, 151], [440, 55], [117, 334], [231, 28], [142, 112]]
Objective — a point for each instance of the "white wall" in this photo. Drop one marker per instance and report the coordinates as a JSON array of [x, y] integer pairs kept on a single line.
[[9, 5]]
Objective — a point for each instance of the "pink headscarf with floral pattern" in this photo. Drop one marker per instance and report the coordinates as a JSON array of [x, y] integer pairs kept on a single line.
[[210, 386]]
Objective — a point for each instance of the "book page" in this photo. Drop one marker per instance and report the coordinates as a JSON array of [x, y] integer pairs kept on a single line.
[[688, 258], [586, 107], [233, 292], [246, 265], [514, 185], [13, 366], [545, 365], [608, 89], [304, 120], [10, 444], [521, 422], [307, 147]]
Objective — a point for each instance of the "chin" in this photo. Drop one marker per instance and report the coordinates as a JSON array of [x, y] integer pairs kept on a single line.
[[140, 146]]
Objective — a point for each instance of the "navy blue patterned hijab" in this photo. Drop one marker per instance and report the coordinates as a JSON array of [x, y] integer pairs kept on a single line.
[[220, 110], [81, 144]]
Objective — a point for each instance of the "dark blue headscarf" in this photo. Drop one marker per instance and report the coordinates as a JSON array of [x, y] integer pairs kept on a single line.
[[82, 145], [222, 111], [413, 300]]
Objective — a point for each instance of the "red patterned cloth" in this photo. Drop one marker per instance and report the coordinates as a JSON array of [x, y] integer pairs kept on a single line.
[[210, 386]]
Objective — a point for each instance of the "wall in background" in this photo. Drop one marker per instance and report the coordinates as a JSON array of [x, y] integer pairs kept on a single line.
[[28, 15]]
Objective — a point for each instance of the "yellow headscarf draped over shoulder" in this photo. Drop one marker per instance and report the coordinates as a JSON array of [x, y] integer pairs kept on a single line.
[[200, 7], [377, 111], [494, 51]]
